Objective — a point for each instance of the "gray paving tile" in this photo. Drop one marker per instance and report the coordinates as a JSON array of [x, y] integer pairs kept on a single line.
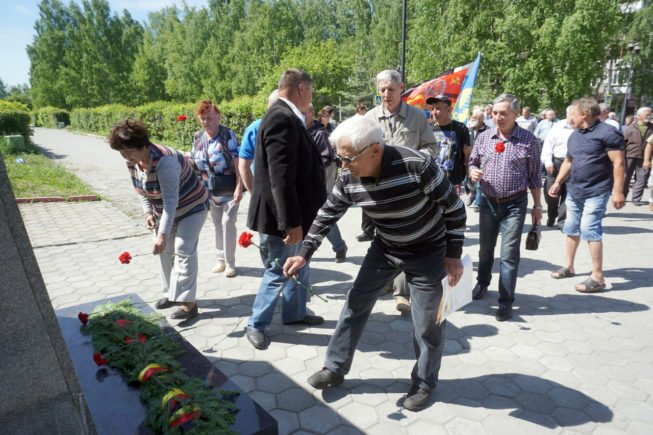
[[585, 359]]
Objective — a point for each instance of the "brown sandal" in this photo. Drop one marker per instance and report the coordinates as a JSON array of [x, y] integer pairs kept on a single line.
[[563, 272], [590, 286]]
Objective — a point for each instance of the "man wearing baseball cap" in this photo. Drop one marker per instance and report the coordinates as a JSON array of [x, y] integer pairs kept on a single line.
[[451, 138]]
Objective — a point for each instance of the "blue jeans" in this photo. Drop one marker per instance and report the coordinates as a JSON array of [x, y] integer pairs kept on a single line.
[[334, 237], [507, 219], [584, 217], [293, 306], [424, 276]]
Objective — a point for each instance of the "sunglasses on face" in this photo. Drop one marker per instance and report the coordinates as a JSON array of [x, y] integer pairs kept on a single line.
[[351, 160]]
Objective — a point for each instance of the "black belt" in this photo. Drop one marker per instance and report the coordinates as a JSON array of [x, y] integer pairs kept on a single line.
[[506, 199]]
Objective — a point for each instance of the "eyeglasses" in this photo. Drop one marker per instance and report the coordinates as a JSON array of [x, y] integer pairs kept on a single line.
[[351, 160]]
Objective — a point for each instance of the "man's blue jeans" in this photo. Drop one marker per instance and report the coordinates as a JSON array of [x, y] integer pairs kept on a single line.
[[273, 282], [508, 220], [424, 276]]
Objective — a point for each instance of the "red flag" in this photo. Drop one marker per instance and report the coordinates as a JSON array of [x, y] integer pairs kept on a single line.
[[448, 83]]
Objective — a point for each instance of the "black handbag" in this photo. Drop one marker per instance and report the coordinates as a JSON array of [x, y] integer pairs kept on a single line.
[[222, 184], [533, 238]]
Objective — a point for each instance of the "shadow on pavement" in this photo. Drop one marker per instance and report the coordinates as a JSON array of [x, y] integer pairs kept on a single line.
[[633, 278], [531, 398], [533, 305]]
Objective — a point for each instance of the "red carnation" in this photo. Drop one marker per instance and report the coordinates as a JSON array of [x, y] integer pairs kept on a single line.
[[125, 257], [181, 118], [122, 322], [97, 357], [245, 239], [142, 338], [83, 317], [500, 147], [127, 340]]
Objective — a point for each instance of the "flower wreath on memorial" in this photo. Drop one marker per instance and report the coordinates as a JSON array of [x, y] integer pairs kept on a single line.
[[245, 241], [133, 342]]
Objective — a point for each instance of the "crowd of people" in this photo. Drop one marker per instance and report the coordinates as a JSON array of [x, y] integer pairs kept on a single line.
[[408, 173]]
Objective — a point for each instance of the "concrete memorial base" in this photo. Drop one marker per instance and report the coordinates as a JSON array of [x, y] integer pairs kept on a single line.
[[116, 407]]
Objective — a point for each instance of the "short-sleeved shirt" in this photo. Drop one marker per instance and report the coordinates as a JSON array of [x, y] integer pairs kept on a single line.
[[450, 140], [591, 168], [248, 144], [408, 127]]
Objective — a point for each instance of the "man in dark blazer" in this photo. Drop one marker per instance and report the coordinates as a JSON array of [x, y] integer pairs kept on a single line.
[[288, 190]]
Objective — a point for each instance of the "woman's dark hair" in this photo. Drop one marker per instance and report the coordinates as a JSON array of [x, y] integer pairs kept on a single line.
[[129, 134]]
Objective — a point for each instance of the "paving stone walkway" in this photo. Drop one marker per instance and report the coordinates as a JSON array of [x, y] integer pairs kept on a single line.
[[566, 363]]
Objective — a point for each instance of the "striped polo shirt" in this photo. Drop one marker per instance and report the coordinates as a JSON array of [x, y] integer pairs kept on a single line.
[[192, 194], [412, 204]]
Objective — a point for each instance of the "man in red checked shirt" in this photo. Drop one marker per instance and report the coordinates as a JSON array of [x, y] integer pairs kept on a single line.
[[505, 160]]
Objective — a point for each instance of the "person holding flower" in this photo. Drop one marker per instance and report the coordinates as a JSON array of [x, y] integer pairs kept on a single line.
[[505, 160], [175, 206], [419, 222], [215, 154]]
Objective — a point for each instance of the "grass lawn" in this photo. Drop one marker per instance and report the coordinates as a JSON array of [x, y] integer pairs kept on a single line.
[[40, 176]]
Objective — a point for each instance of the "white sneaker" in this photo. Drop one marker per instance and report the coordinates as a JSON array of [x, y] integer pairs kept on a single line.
[[230, 272], [219, 267]]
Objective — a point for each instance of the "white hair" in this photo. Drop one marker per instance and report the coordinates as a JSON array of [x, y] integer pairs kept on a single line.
[[603, 107], [388, 75], [569, 109], [359, 130], [274, 96], [478, 112], [641, 110]]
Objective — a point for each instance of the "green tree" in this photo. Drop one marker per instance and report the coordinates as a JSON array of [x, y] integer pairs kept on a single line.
[[46, 53], [3, 89], [99, 56], [329, 67], [641, 32]]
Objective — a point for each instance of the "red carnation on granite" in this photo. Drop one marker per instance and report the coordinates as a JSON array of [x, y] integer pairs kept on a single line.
[[500, 147], [83, 317], [97, 357], [245, 239], [181, 118], [125, 258]]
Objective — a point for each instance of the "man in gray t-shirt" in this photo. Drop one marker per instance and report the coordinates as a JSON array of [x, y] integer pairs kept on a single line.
[[403, 125]]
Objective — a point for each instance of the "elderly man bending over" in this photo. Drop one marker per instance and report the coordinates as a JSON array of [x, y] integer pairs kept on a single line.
[[419, 221]]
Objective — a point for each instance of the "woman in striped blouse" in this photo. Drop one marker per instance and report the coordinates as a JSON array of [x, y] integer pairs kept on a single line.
[[175, 205]]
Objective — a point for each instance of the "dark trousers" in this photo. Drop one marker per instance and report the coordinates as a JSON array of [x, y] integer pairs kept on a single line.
[[506, 219], [555, 207], [424, 275], [366, 224], [634, 167]]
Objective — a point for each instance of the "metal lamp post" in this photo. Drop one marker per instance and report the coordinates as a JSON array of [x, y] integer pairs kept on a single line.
[[633, 48]]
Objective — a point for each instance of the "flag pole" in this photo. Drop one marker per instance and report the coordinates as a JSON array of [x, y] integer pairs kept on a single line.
[[403, 41]]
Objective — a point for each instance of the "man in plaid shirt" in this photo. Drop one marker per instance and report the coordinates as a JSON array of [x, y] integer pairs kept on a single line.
[[506, 161]]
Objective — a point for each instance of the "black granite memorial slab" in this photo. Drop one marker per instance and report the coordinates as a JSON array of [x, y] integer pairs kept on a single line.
[[116, 407]]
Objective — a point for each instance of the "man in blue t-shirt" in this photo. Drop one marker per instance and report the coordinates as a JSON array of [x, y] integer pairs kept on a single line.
[[247, 146], [594, 167]]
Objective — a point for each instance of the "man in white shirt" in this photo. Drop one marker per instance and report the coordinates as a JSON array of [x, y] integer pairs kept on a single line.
[[554, 152], [604, 116], [526, 120]]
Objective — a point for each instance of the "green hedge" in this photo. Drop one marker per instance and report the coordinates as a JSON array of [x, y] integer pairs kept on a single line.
[[50, 117], [162, 119], [14, 119]]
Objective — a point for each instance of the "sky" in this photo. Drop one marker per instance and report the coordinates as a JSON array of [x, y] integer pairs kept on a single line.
[[17, 18]]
